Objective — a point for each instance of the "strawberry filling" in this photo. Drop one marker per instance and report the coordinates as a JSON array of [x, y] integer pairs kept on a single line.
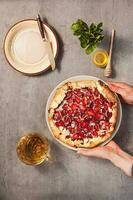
[[84, 112]]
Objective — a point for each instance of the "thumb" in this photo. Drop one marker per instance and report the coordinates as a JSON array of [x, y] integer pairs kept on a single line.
[[85, 152], [99, 152], [96, 152]]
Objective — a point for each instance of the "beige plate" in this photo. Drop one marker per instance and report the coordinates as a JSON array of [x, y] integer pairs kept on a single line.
[[25, 53], [77, 78]]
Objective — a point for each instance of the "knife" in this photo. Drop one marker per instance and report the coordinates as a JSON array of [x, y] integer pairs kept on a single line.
[[47, 44]]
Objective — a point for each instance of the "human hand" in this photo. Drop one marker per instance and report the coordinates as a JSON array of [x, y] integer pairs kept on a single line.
[[105, 152], [125, 90], [113, 153]]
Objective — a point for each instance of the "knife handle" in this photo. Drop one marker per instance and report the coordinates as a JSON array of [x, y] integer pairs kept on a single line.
[[40, 25]]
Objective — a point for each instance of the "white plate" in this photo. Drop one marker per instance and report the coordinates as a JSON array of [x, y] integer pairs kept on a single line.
[[24, 48], [76, 78]]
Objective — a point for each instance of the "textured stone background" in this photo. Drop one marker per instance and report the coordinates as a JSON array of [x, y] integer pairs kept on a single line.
[[23, 100]]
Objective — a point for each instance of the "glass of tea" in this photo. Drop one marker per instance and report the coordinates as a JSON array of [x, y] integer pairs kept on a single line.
[[33, 149]]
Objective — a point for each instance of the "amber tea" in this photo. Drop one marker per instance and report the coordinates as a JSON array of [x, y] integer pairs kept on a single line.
[[32, 149]]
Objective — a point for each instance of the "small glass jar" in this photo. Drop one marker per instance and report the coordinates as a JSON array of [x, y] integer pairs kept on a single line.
[[100, 57]]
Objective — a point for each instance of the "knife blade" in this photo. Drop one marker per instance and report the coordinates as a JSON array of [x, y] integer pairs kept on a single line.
[[46, 42], [50, 53]]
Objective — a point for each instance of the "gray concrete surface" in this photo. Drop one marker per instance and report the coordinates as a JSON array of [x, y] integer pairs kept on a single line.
[[23, 100]]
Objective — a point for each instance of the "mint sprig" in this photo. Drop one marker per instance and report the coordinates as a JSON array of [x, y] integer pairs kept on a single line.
[[89, 36]]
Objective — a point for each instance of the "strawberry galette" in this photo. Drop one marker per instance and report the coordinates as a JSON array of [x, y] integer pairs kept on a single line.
[[83, 113]]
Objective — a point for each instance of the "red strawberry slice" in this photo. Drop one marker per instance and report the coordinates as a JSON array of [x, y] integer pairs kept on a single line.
[[111, 104], [68, 94], [70, 129], [96, 127], [94, 133], [91, 97], [99, 116], [88, 93], [109, 115], [79, 93], [96, 109], [85, 130], [65, 106], [67, 120], [96, 92], [57, 115], [63, 112], [79, 128], [105, 123], [105, 106], [82, 108], [84, 124], [98, 102], [70, 112], [104, 110], [91, 104], [74, 106], [60, 123], [85, 101], [76, 91], [70, 100], [90, 128], [81, 135], [89, 118], [90, 112], [73, 97], [77, 99], [78, 120], [74, 124], [75, 136]]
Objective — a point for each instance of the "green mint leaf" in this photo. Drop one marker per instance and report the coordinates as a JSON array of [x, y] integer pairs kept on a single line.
[[75, 27], [83, 42], [90, 49], [100, 25], [92, 27], [89, 36]]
